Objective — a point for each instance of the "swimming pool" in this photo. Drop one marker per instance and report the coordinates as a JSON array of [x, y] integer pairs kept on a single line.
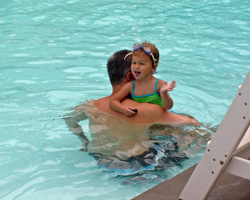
[[53, 57]]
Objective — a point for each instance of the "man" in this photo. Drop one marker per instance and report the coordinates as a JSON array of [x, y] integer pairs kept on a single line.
[[113, 133]]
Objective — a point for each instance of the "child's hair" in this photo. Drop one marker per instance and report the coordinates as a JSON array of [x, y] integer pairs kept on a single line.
[[154, 50]]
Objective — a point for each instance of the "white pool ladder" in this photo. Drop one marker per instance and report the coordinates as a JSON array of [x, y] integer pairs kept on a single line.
[[229, 150]]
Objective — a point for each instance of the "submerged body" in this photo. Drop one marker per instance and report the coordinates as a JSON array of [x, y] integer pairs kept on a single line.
[[112, 136], [130, 137]]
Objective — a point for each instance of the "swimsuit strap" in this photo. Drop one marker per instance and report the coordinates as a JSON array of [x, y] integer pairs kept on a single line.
[[156, 85], [156, 82], [133, 91]]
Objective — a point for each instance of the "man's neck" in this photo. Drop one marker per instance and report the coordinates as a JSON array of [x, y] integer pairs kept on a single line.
[[116, 89]]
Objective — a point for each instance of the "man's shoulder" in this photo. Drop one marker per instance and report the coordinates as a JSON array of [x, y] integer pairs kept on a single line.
[[83, 106], [102, 104]]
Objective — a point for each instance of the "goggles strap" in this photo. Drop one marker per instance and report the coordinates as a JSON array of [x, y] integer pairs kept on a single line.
[[128, 55]]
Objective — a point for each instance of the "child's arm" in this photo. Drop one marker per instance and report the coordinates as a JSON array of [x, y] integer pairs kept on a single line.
[[164, 89], [115, 102]]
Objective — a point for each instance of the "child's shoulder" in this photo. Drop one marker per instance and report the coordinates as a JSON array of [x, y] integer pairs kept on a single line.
[[160, 82], [128, 85]]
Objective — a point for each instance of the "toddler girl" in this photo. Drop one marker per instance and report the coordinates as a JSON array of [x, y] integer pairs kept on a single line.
[[146, 88]]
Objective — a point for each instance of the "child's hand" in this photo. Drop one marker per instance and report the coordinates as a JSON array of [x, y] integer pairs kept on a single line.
[[129, 112], [168, 87]]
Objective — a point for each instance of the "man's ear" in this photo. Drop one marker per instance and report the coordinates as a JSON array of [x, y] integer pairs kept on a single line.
[[130, 77]]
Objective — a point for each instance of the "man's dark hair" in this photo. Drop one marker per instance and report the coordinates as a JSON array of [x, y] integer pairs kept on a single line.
[[118, 67]]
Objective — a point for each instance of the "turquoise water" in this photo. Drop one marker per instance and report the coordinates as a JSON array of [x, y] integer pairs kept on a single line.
[[53, 57]]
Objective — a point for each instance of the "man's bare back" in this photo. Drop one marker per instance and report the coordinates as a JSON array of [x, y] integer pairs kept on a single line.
[[147, 113]]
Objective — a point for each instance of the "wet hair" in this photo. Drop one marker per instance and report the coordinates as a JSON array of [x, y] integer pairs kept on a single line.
[[154, 50], [118, 67]]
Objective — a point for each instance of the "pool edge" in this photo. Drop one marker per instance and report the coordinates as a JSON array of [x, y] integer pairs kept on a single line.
[[228, 187]]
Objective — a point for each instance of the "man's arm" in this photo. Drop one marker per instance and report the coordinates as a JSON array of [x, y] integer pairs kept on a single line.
[[72, 120]]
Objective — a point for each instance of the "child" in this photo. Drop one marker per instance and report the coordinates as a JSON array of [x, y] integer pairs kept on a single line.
[[146, 88]]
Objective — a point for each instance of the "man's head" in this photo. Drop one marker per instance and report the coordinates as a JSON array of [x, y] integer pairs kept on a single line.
[[118, 68]]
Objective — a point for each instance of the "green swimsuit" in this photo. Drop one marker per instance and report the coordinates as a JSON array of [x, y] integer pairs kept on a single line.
[[154, 98]]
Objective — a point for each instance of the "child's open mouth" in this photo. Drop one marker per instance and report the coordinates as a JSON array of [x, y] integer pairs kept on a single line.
[[136, 73]]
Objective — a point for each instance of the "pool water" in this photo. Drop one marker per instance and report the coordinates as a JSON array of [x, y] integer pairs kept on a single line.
[[53, 57]]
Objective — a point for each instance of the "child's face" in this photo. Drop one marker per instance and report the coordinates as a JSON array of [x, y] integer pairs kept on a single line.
[[141, 66]]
